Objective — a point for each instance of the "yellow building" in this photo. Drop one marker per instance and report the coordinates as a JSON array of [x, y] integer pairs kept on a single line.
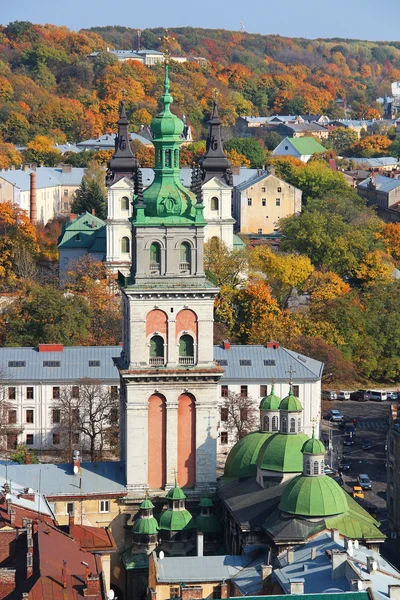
[[260, 202]]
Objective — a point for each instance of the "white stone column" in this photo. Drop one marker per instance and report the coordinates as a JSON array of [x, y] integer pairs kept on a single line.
[[172, 439], [171, 349], [136, 439], [206, 435]]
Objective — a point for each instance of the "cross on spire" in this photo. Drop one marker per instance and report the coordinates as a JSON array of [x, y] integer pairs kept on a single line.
[[291, 371], [165, 40]]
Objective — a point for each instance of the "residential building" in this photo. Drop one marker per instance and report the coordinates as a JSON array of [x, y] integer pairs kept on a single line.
[[295, 130], [380, 191], [37, 376], [81, 236], [261, 201], [302, 148], [353, 124], [55, 189], [146, 57], [319, 119], [383, 164]]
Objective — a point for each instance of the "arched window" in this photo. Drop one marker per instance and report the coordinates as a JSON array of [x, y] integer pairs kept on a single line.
[[299, 425], [316, 467], [322, 466], [308, 467], [156, 350], [185, 257], [292, 425], [125, 245], [266, 423], [125, 203], [214, 203], [155, 257], [186, 350], [284, 424], [275, 424]]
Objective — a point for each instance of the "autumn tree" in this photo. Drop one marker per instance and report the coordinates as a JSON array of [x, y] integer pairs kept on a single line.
[[391, 237], [87, 413], [9, 156], [41, 150], [336, 367], [240, 414], [227, 267], [326, 285], [372, 145], [250, 148], [341, 139]]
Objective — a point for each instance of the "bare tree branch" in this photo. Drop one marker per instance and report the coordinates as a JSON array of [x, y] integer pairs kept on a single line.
[[241, 415]]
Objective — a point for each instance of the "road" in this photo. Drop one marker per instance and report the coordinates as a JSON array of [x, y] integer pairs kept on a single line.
[[372, 423]]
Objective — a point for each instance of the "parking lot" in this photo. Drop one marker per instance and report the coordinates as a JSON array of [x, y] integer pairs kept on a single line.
[[372, 423]]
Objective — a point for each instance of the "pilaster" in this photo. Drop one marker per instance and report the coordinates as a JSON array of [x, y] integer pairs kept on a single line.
[[172, 441]]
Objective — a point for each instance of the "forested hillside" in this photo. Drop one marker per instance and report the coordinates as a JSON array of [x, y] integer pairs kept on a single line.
[[49, 86]]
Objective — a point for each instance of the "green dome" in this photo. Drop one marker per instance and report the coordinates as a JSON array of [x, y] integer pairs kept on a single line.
[[282, 452], [176, 493], [313, 497], [242, 459], [176, 520], [270, 402], [291, 403], [314, 446], [146, 526], [208, 524], [147, 504], [206, 502]]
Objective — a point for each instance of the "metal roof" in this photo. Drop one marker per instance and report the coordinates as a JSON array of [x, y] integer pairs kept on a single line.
[[39, 502], [45, 177], [200, 568], [383, 184], [59, 479], [384, 161], [265, 364], [107, 141], [256, 178], [304, 145]]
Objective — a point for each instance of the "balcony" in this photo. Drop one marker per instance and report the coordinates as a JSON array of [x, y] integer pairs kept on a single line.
[[186, 360], [157, 361], [155, 268], [184, 267]]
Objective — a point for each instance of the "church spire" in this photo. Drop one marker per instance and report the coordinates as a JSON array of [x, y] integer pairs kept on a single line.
[[215, 163], [123, 163]]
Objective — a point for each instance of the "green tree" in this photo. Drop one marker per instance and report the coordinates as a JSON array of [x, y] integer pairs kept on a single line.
[[91, 194], [250, 148], [225, 266], [47, 315], [340, 140], [22, 455], [272, 140]]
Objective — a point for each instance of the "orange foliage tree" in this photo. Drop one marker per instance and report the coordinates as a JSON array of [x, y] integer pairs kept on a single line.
[[18, 242]]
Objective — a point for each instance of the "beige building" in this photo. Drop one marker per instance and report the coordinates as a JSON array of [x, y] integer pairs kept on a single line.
[[260, 202]]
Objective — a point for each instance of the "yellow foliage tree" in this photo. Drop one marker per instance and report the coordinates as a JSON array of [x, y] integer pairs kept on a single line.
[[391, 237], [9, 156], [18, 242], [237, 159], [376, 266], [326, 286]]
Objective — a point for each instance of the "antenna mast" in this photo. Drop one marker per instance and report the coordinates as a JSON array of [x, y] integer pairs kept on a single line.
[[241, 26], [139, 33]]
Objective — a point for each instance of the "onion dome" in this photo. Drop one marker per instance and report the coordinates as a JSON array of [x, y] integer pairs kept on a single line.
[[291, 403], [176, 517], [146, 524], [206, 521], [166, 123], [242, 459], [282, 453], [313, 497], [176, 493], [270, 402], [314, 446]]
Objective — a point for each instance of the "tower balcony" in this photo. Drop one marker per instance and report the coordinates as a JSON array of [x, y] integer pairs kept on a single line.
[[186, 360], [157, 361]]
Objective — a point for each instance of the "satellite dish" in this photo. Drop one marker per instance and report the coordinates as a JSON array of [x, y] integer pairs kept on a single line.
[[161, 555], [76, 469], [8, 496], [111, 595], [359, 585], [374, 565], [356, 544]]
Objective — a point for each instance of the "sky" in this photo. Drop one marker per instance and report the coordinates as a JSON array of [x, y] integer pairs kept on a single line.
[[358, 19]]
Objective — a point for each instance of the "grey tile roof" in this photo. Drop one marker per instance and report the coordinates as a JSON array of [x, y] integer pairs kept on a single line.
[[74, 364], [307, 369], [45, 177], [67, 148], [39, 502], [107, 141], [200, 568], [384, 161], [383, 184], [59, 479]]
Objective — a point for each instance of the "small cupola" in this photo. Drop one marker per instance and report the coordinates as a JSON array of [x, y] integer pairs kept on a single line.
[[313, 457], [290, 410], [269, 412]]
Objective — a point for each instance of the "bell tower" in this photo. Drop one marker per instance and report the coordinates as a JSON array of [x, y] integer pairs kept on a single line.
[[121, 173], [168, 376]]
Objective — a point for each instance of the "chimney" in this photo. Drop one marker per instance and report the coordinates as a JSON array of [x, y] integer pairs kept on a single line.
[[394, 592], [296, 586], [266, 572], [93, 212], [274, 345], [226, 345], [372, 565], [76, 463], [200, 543], [71, 525], [12, 516], [64, 574], [335, 535], [92, 586], [290, 556], [224, 590], [29, 564], [7, 581], [313, 553], [50, 347], [66, 168], [339, 558], [33, 200], [72, 217], [27, 458]]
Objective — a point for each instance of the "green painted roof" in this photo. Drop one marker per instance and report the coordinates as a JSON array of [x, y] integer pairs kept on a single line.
[[237, 242], [208, 524], [242, 459], [313, 497], [176, 520], [291, 403], [147, 503], [270, 402], [176, 493], [282, 452], [91, 232], [134, 561], [314, 446], [307, 145], [356, 523], [148, 526], [206, 501]]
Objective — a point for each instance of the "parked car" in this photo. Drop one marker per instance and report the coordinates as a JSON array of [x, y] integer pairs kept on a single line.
[[359, 395], [334, 415], [345, 465], [366, 445], [377, 395], [392, 395], [349, 429], [348, 440], [329, 395], [343, 395], [364, 482]]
